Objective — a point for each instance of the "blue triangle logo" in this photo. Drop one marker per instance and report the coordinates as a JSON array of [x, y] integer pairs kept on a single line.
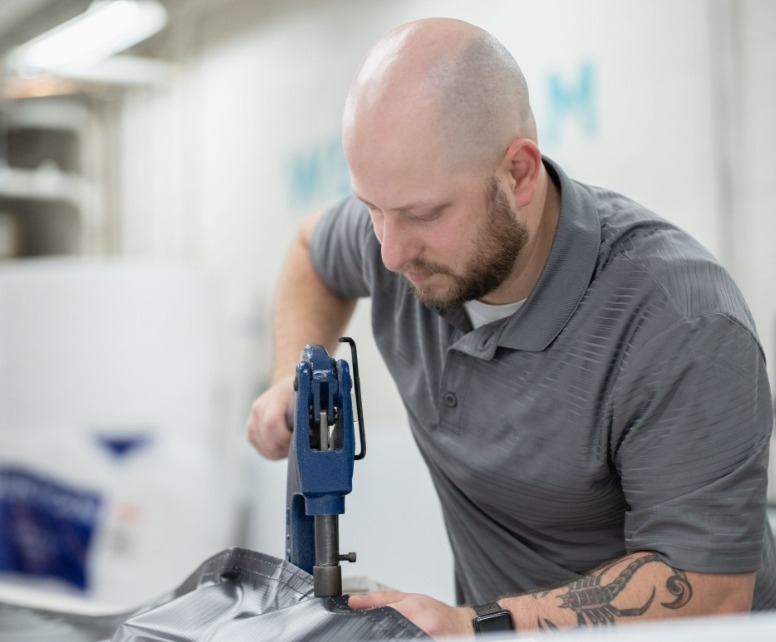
[[121, 446]]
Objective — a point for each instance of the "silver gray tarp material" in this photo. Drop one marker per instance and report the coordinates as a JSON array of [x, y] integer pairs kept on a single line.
[[237, 595]]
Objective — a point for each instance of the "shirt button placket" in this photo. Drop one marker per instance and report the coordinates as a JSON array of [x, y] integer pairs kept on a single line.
[[453, 385]]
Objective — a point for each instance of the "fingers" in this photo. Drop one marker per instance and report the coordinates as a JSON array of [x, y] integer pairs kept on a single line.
[[373, 600], [436, 618], [268, 425]]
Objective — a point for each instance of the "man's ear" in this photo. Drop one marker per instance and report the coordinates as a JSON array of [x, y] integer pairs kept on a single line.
[[523, 162]]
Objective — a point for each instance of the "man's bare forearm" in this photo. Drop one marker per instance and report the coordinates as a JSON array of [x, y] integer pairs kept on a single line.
[[637, 587], [306, 311]]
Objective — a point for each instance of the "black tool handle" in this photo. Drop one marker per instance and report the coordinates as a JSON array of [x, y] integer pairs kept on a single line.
[[357, 387]]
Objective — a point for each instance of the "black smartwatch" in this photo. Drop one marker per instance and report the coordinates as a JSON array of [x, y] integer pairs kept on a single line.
[[491, 617]]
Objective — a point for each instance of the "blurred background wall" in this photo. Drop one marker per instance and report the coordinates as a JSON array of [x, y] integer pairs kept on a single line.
[[212, 155]]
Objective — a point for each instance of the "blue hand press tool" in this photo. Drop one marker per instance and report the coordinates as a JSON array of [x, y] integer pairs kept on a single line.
[[320, 464]]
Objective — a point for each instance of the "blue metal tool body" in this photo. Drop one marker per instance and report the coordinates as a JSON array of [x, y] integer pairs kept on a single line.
[[320, 465]]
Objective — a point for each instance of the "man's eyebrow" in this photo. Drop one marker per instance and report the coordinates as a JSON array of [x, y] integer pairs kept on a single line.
[[419, 205]]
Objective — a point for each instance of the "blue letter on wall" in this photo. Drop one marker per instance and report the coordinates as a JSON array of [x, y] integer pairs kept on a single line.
[[318, 173], [575, 100]]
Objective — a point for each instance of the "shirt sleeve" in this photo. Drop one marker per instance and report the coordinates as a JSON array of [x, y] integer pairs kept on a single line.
[[692, 423], [342, 249]]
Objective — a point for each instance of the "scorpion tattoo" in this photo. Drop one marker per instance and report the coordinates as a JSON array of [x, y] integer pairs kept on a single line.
[[593, 603]]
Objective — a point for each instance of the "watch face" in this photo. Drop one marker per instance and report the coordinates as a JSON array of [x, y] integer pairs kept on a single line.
[[498, 621]]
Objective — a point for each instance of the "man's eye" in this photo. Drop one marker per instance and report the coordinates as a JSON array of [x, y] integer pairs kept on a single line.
[[427, 217]]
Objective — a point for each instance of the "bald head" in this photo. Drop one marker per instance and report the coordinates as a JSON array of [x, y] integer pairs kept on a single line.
[[445, 80]]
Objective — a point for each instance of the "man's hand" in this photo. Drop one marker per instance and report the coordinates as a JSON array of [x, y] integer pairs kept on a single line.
[[435, 618], [271, 420]]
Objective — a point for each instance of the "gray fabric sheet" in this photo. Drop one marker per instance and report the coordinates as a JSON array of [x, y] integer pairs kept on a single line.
[[237, 595]]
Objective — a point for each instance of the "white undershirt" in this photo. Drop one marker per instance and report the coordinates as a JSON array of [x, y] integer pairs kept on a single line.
[[482, 313]]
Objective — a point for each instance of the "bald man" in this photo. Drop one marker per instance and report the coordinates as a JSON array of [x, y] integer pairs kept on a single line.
[[583, 380]]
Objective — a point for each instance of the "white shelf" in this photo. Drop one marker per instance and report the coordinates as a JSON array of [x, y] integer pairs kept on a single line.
[[46, 184], [49, 114]]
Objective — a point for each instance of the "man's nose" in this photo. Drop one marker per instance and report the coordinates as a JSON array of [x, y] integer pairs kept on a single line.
[[398, 244]]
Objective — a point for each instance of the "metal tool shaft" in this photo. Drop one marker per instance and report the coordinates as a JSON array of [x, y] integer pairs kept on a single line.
[[327, 573]]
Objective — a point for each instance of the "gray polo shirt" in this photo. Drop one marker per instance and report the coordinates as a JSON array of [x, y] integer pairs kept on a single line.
[[624, 407]]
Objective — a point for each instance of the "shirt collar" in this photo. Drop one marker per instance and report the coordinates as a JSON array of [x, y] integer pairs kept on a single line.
[[565, 276]]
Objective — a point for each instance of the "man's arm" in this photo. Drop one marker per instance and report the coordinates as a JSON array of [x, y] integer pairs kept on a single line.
[[635, 588], [305, 312]]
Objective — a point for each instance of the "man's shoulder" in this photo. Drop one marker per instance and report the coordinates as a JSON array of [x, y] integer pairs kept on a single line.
[[635, 239]]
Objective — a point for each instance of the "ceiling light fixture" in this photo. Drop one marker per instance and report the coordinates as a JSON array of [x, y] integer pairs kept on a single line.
[[104, 29]]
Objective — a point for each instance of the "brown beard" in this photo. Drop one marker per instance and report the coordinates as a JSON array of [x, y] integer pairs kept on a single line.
[[497, 248]]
